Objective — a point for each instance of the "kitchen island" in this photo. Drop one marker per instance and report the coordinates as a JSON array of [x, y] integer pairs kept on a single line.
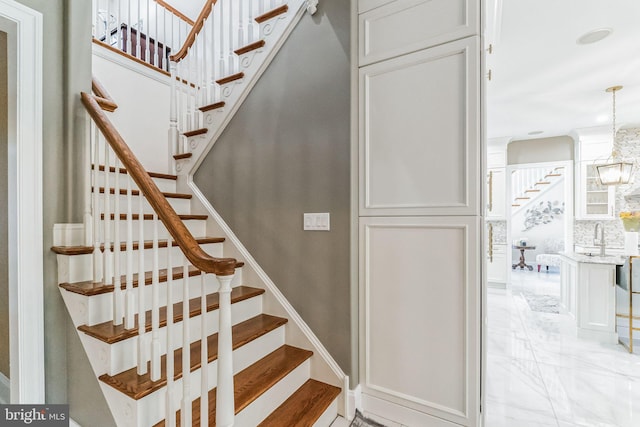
[[588, 293]]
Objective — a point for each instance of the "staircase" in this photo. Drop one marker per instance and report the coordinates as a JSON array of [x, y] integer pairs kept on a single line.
[[218, 341], [529, 184]]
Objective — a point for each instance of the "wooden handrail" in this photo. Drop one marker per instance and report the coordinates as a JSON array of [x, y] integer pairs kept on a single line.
[[102, 96], [191, 38], [175, 11], [190, 247]]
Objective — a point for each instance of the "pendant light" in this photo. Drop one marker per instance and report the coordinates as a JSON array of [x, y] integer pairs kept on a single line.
[[615, 171]]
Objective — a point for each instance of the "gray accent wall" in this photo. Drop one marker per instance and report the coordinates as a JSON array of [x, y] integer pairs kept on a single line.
[[66, 72], [4, 241], [287, 152]]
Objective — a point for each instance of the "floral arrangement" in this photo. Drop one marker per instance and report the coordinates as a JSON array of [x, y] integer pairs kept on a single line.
[[630, 220]]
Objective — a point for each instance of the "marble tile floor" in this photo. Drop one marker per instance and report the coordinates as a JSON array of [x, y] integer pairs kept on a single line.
[[540, 374]]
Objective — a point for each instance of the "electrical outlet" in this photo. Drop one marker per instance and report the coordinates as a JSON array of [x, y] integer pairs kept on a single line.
[[317, 221]]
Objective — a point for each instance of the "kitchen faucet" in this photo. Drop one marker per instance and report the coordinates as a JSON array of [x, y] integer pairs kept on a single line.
[[599, 241]]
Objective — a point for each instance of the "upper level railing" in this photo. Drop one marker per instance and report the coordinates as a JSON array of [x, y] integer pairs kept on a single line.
[[148, 30]]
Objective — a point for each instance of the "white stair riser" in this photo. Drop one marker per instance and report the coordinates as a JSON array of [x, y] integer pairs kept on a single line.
[[260, 408], [328, 416], [165, 185], [120, 356], [151, 409], [79, 267], [181, 206], [197, 227]]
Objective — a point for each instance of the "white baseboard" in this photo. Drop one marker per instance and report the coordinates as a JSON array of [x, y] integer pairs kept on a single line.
[[354, 401], [400, 414], [5, 390]]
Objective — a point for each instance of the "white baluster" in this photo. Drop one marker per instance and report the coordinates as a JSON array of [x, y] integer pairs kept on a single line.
[[230, 54], [171, 414], [118, 22], [107, 257], [88, 183], [95, 6], [204, 352], [130, 309], [156, 38], [147, 28], [142, 342], [241, 41], [97, 254], [138, 28], [118, 312], [174, 134], [261, 7], [225, 407], [251, 23], [107, 34], [185, 407], [223, 40], [155, 310], [197, 92], [129, 22]]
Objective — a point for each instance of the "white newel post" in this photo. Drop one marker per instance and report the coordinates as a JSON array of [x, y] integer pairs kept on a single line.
[[174, 136], [225, 406]]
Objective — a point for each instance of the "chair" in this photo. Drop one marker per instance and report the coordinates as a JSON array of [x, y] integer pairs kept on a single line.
[[550, 257]]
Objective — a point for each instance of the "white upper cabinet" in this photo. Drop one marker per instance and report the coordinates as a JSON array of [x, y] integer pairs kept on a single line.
[[392, 28], [419, 133]]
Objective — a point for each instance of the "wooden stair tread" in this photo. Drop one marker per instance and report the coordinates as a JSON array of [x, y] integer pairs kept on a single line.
[[182, 156], [304, 407], [552, 174], [110, 333], [523, 198], [542, 183], [532, 191], [148, 244], [123, 192], [230, 78], [148, 217], [213, 106], [272, 14], [152, 174], [515, 206], [138, 386], [195, 132], [90, 288], [248, 48], [252, 382]]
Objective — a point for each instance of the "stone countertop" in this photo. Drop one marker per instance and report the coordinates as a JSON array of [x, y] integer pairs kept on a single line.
[[594, 259]]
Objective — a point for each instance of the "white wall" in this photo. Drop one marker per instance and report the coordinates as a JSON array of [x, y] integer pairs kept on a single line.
[[142, 117]]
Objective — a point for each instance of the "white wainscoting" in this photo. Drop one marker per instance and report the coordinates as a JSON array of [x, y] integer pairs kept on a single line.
[[404, 26], [420, 287], [419, 133]]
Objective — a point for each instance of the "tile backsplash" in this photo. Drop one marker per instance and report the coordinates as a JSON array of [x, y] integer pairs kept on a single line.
[[627, 144]]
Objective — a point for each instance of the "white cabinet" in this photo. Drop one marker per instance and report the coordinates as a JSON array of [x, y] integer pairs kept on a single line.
[[496, 196], [420, 196], [497, 265], [593, 200], [588, 293], [596, 301]]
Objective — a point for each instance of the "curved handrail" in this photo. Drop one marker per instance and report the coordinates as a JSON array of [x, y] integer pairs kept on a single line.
[[102, 96], [195, 30], [175, 11], [190, 247]]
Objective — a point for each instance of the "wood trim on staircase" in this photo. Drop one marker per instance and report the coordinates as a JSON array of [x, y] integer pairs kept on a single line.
[[175, 11], [195, 30], [182, 156], [272, 14], [192, 250], [148, 244], [152, 174], [123, 192], [195, 132], [248, 48], [102, 96], [230, 78], [213, 106]]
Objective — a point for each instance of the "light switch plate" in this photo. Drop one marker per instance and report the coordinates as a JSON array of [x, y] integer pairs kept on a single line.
[[317, 221]]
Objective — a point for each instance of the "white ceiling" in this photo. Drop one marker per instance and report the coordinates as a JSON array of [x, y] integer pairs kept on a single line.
[[542, 80]]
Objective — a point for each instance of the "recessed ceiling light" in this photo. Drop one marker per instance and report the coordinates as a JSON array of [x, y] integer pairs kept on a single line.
[[594, 36], [536, 132]]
